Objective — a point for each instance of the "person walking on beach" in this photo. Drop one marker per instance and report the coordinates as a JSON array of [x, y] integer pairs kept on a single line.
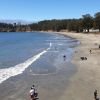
[[95, 94], [90, 51], [32, 92]]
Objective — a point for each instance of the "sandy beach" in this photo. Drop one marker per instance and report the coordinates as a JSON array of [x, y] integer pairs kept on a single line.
[[77, 81], [86, 80], [50, 73]]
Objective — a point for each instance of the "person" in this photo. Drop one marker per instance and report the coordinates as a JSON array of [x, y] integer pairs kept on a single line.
[[33, 86], [32, 92], [95, 94], [64, 56], [90, 51]]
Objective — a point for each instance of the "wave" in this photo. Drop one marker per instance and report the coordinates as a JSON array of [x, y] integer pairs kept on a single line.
[[20, 68]]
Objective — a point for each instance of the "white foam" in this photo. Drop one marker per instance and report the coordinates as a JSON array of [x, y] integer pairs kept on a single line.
[[50, 45], [18, 69], [60, 44]]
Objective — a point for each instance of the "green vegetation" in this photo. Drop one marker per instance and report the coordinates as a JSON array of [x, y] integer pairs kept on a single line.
[[97, 21], [4, 27], [87, 22], [78, 25]]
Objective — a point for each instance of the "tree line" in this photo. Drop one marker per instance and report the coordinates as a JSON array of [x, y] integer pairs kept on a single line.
[[78, 25], [4, 27]]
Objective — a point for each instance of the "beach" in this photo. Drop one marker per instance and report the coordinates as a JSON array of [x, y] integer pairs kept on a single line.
[[49, 50], [76, 80], [45, 67], [86, 80]]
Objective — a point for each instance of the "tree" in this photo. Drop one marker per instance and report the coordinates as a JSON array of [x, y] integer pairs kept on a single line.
[[87, 22], [97, 20]]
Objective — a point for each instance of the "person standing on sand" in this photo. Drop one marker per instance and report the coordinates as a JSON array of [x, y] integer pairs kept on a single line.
[[32, 92], [95, 94], [90, 51]]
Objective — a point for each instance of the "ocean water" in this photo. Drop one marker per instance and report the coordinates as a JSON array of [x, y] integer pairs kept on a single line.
[[18, 51]]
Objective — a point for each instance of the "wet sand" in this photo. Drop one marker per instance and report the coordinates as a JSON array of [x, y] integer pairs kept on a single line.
[[50, 86], [87, 78], [77, 81]]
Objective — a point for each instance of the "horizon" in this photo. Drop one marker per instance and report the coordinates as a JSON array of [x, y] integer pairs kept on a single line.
[[34, 11]]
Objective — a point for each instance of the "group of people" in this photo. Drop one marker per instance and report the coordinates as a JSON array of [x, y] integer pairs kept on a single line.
[[33, 93]]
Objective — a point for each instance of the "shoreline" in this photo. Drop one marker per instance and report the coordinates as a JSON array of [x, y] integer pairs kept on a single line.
[[51, 86], [86, 80], [80, 85]]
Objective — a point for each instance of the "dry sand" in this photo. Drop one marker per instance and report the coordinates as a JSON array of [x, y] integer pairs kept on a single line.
[[87, 78], [78, 85]]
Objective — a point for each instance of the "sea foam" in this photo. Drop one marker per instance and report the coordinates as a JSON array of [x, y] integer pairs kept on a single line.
[[20, 68]]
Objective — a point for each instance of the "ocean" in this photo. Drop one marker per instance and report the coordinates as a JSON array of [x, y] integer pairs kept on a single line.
[[41, 52]]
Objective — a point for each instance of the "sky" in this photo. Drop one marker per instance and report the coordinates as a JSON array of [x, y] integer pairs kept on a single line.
[[36, 10]]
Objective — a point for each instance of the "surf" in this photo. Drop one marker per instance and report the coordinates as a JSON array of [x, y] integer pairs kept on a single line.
[[20, 68]]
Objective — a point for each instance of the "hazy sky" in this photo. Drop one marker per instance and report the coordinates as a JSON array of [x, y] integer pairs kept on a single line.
[[34, 10]]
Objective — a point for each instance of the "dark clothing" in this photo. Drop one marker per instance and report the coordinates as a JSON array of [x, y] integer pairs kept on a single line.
[[64, 57], [32, 96], [90, 51], [95, 94]]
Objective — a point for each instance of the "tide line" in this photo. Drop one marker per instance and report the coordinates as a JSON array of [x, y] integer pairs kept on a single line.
[[20, 68]]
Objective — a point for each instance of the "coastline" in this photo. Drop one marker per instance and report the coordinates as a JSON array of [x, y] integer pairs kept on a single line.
[[86, 80], [50, 86], [77, 85]]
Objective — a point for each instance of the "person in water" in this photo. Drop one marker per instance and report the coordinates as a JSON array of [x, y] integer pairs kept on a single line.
[[64, 56]]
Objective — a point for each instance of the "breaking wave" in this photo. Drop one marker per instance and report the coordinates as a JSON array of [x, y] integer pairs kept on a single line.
[[18, 69]]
